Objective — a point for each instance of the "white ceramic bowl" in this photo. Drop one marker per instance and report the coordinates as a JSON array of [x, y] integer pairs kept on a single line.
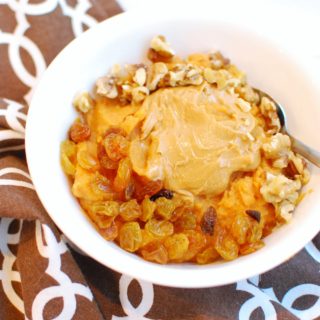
[[124, 39]]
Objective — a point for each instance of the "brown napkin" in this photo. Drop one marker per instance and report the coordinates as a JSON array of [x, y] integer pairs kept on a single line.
[[41, 277]]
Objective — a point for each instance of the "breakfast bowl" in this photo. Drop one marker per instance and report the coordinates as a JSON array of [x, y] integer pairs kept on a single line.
[[125, 39]]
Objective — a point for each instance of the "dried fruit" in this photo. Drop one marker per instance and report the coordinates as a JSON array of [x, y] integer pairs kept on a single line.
[[197, 242], [68, 152], [168, 194], [130, 210], [123, 177], [104, 160], [146, 188], [187, 221], [86, 156], [79, 132], [155, 253], [106, 208], [208, 221], [165, 207], [254, 214], [103, 222], [240, 228], [159, 228], [207, 256], [101, 186], [110, 233], [148, 208], [225, 245], [177, 246], [251, 247], [129, 191], [116, 146], [130, 237]]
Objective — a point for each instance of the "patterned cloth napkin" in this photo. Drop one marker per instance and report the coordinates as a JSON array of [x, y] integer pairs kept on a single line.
[[41, 276]]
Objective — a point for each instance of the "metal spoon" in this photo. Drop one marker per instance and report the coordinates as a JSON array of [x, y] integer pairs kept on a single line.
[[297, 146]]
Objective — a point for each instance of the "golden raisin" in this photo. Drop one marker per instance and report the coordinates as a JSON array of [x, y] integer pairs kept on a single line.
[[101, 221], [148, 208], [101, 186], [130, 210], [145, 188], [165, 207], [86, 160], [116, 146], [104, 160], [251, 247], [177, 246], [187, 221], [106, 208], [240, 228], [128, 192], [159, 228], [207, 256], [110, 233], [225, 245], [197, 242], [130, 237], [79, 132], [68, 152], [147, 238], [155, 253], [123, 176]]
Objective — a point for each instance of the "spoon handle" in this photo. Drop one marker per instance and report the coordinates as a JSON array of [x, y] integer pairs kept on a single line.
[[307, 152]]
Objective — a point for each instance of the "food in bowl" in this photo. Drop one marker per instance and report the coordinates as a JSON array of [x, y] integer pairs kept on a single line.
[[181, 160]]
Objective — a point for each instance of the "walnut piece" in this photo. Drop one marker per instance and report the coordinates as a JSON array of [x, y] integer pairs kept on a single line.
[[106, 86], [277, 146], [161, 46], [83, 102], [269, 111]]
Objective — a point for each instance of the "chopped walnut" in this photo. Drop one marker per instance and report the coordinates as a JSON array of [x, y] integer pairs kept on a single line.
[[161, 46], [277, 146], [220, 77], [83, 102], [285, 209], [243, 105], [117, 71], [217, 60], [127, 92], [297, 168], [193, 76], [139, 94], [248, 94], [176, 75], [106, 86], [140, 76], [269, 110], [157, 72], [279, 188]]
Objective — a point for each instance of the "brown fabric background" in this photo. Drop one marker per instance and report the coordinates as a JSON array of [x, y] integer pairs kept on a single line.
[[35, 263]]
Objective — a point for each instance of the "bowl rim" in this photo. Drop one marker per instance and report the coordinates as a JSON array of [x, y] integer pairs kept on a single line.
[[152, 272]]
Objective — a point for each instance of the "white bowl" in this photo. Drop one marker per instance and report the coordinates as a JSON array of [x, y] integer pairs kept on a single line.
[[124, 39]]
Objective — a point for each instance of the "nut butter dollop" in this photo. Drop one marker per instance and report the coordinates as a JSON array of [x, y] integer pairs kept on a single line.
[[194, 138]]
